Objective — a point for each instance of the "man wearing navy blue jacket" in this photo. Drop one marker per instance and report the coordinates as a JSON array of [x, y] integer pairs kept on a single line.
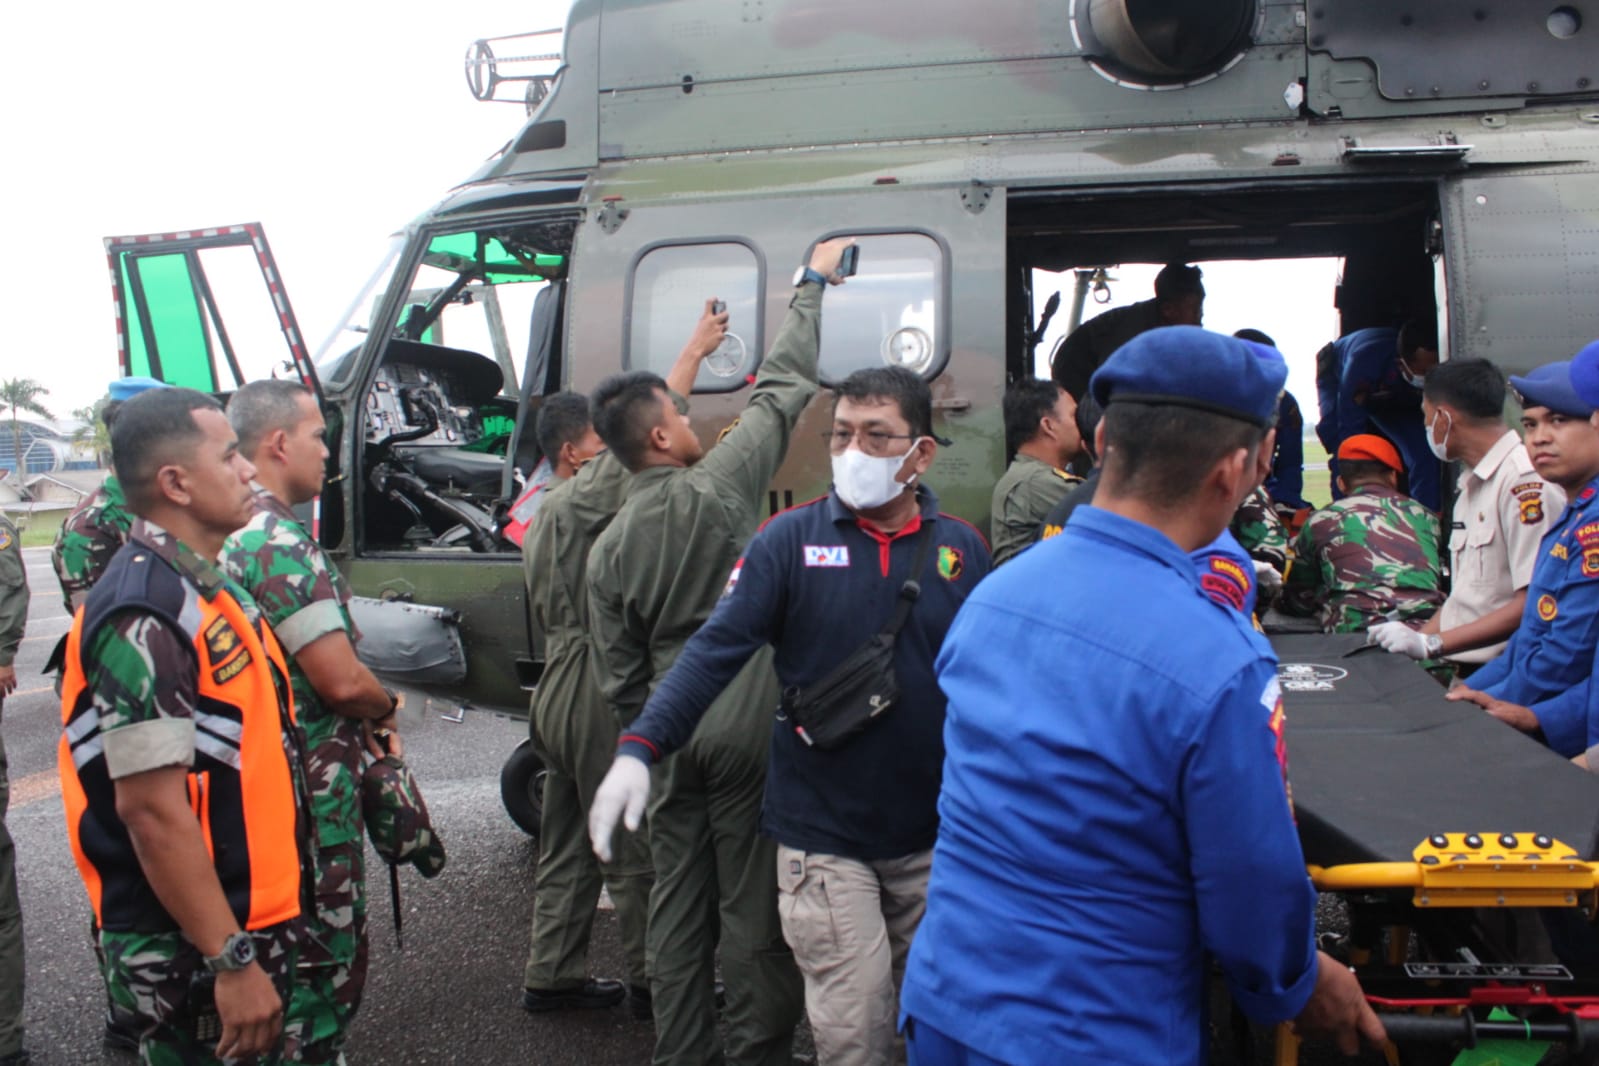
[[854, 825], [1101, 837]]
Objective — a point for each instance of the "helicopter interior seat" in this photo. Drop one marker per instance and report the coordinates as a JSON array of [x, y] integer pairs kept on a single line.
[[456, 469], [424, 404]]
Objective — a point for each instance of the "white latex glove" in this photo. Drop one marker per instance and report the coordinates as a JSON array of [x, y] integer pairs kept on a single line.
[[1268, 582], [1398, 638], [622, 795]]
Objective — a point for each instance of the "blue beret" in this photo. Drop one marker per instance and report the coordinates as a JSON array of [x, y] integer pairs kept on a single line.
[[1550, 386], [1191, 367], [128, 388], [1585, 374]]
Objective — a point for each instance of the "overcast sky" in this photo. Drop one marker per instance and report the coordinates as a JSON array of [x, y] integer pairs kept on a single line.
[[332, 124]]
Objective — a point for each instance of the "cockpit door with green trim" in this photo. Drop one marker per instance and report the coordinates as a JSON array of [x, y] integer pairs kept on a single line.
[[204, 309]]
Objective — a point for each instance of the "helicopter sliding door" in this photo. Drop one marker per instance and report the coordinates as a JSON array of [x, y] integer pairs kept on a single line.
[[928, 296]]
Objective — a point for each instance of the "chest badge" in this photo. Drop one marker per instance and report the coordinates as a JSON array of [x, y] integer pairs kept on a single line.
[[227, 651], [827, 555], [951, 563]]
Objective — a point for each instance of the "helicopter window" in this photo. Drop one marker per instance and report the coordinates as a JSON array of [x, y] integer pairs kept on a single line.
[[893, 312], [336, 358], [669, 285]]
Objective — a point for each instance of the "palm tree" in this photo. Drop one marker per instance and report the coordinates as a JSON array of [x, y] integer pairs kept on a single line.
[[21, 394], [93, 431]]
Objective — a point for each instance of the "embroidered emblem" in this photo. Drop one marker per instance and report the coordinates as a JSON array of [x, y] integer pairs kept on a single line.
[[5, 538], [830, 555], [228, 654], [951, 563], [1050, 531], [1546, 608], [1271, 698], [732, 579], [1226, 583], [1588, 539], [1531, 509], [1557, 552]]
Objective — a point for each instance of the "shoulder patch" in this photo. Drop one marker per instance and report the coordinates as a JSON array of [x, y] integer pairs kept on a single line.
[[732, 579], [1547, 608], [1588, 540], [951, 563], [1226, 583], [5, 537], [1271, 699]]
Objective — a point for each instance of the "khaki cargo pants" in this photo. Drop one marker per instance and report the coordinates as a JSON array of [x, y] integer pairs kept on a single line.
[[850, 924]]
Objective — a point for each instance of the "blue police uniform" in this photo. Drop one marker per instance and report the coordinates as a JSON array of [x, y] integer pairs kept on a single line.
[[816, 583], [1098, 840], [1371, 388], [1546, 664]]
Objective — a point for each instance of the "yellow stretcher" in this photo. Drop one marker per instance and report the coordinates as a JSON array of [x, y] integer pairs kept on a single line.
[[1462, 851]]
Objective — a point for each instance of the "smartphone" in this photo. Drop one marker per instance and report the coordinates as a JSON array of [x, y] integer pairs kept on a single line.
[[200, 1007], [719, 307], [849, 261]]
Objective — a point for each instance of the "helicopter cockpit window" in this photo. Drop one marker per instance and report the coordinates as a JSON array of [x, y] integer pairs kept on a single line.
[[336, 359], [668, 287], [893, 312], [441, 412]]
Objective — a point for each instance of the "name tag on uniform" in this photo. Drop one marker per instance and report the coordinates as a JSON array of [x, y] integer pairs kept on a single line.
[[826, 555]]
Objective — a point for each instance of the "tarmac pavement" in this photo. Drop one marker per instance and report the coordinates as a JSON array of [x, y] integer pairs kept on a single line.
[[452, 996]]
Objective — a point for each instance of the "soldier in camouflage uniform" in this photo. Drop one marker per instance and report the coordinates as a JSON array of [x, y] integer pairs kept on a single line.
[[13, 618], [281, 431], [173, 708], [1371, 556], [99, 525], [1041, 431], [573, 728]]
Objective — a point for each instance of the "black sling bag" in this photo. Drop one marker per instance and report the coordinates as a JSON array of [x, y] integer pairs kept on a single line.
[[828, 713]]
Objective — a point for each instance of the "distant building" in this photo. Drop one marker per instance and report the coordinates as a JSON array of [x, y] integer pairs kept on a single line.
[[47, 447]]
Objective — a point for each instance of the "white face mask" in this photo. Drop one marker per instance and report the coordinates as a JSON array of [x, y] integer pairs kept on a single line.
[[1440, 448], [1414, 380], [867, 481]]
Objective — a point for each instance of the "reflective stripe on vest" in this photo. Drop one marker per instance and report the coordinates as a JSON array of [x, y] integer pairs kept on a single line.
[[240, 787]]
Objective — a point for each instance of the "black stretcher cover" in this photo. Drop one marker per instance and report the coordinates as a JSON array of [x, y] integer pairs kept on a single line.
[[1379, 760]]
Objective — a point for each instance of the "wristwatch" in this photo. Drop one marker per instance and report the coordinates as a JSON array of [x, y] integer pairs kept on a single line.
[[1435, 645], [238, 951], [805, 273]]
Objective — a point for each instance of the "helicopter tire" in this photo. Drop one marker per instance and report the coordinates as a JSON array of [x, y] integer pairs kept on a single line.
[[522, 788]]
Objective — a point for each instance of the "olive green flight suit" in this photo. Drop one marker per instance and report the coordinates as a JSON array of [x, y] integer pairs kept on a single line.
[[13, 619], [575, 735], [1025, 494], [654, 576]]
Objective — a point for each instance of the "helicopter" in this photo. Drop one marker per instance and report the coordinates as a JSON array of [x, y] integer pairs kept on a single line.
[[1447, 154]]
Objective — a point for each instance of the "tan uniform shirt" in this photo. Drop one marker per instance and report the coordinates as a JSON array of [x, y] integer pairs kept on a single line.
[[1501, 514]]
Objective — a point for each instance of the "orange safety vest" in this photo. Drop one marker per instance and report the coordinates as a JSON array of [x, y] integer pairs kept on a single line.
[[241, 785]]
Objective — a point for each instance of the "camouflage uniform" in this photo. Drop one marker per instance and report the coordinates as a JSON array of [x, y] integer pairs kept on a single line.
[[141, 671], [88, 539], [576, 733], [304, 598], [1369, 557], [1028, 491], [13, 618], [1261, 531]]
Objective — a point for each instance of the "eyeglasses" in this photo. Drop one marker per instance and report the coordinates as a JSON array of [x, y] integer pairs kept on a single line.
[[873, 441]]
